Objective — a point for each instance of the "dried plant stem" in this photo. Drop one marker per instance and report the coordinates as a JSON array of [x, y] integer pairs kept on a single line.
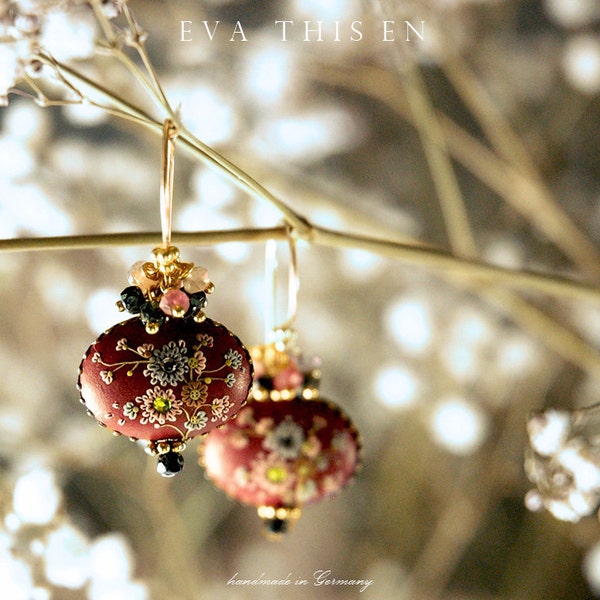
[[449, 194], [194, 147], [481, 274], [526, 194], [475, 273], [496, 128], [554, 335], [112, 240]]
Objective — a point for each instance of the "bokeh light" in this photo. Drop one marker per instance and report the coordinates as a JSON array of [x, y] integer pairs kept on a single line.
[[458, 425], [397, 386]]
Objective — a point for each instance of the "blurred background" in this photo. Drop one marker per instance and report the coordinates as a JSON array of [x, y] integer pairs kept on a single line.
[[477, 136]]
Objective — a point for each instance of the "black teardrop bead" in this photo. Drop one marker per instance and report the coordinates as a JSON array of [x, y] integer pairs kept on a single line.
[[132, 298], [150, 312], [169, 464], [276, 526], [197, 303]]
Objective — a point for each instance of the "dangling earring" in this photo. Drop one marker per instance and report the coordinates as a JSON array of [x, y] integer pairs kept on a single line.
[[287, 447], [169, 373]]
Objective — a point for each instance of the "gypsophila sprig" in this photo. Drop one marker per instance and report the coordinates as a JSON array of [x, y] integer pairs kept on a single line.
[[63, 30]]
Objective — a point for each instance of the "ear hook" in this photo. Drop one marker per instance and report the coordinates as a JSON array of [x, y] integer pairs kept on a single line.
[[166, 185], [274, 333]]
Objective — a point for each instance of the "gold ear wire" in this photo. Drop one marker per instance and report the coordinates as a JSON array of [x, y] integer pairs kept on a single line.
[[166, 185]]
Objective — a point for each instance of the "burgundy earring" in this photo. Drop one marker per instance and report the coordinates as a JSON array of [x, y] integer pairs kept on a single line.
[[169, 373], [287, 447]]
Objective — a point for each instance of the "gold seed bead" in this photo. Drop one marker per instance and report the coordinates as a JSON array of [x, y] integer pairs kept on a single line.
[[163, 447], [178, 312], [152, 328]]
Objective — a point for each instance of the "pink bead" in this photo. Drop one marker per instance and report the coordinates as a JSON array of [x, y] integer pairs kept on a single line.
[[174, 303], [197, 280], [288, 379]]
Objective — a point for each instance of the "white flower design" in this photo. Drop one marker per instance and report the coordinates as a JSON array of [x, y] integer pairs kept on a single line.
[[233, 359], [168, 365], [230, 380], [197, 421], [159, 406], [220, 408], [131, 410], [286, 439], [107, 376]]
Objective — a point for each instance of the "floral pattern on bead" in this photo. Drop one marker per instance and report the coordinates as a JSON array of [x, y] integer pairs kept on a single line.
[[197, 421], [159, 406], [197, 363], [178, 383], [168, 365], [131, 410], [233, 359], [284, 453], [107, 376], [194, 393], [220, 408], [205, 340], [286, 439]]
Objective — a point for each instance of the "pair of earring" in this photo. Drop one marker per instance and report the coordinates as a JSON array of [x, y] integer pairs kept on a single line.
[[170, 374]]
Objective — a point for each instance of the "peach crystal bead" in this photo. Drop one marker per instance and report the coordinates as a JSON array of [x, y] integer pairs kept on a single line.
[[136, 276], [196, 281]]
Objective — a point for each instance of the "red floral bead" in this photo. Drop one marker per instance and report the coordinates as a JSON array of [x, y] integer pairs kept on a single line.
[[178, 383], [283, 454]]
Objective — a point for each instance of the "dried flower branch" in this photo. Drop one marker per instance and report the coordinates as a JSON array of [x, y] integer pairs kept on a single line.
[[115, 32]]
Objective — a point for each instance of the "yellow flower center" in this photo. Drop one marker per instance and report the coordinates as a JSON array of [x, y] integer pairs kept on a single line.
[[195, 394], [276, 474], [161, 404]]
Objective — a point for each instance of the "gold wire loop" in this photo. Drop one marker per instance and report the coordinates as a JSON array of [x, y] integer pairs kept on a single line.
[[166, 184], [281, 332]]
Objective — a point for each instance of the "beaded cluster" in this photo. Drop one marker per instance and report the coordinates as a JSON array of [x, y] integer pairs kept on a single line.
[[281, 374], [165, 287]]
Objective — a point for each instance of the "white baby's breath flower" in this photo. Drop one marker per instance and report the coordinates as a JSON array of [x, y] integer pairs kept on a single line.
[[10, 67], [68, 35]]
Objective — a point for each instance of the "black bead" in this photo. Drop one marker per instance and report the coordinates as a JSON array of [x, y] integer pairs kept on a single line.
[[276, 525], [310, 380], [197, 303], [132, 298], [266, 383], [150, 313], [169, 464]]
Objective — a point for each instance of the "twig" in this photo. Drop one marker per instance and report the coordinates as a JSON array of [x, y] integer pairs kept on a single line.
[[418, 256], [529, 197], [189, 143], [462, 241]]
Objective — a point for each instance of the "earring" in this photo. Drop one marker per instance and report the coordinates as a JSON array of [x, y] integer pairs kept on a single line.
[[287, 447], [169, 373]]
